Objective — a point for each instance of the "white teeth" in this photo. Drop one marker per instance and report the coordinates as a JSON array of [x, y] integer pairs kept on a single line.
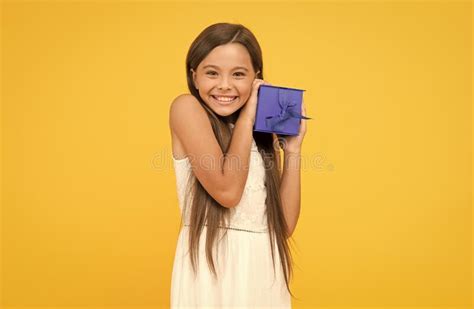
[[225, 99]]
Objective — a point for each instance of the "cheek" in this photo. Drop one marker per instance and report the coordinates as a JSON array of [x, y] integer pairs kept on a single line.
[[245, 88], [205, 85], [245, 93]]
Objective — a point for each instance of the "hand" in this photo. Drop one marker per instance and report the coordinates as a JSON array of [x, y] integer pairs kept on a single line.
[[292, 144], [250, 108]]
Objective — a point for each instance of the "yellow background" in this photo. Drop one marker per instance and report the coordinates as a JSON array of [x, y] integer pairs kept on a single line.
[[89, 205]]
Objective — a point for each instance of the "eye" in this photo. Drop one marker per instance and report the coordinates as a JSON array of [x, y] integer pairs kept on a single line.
[[214, 72]]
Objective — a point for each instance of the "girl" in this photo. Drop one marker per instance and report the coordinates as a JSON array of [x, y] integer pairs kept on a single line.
[[239, 209]]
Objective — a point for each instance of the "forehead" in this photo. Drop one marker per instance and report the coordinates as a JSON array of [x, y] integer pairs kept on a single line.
[[228, 56]]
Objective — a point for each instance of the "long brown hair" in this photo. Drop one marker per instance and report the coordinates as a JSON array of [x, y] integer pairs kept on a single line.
[[203, 208]]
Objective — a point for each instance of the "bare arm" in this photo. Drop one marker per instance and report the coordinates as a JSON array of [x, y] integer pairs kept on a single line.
[[290, 186], [290, 189], [223, 177]]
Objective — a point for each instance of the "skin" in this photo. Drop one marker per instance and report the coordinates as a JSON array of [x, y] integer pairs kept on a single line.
[[290, 188], [225, 78], [233, 75]]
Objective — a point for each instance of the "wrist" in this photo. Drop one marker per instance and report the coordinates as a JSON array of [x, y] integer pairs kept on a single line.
[[288, 151], [292, 154], [247, 119]]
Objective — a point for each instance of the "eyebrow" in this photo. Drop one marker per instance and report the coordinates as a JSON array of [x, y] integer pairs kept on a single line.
[[214, 66]]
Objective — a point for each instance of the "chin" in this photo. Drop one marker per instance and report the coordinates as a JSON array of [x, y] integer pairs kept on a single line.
[[224, 112]]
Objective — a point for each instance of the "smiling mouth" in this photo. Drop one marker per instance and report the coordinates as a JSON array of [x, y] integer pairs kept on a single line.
[[224, 100]]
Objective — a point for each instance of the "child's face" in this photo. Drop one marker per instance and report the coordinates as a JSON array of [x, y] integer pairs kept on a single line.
[[226, 72]]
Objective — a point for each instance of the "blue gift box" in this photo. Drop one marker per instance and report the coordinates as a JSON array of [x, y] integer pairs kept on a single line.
[[279, 110]]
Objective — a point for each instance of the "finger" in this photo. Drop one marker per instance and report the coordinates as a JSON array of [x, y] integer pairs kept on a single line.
[[257, 83], [258, 80], [303, 123], [255, 86]]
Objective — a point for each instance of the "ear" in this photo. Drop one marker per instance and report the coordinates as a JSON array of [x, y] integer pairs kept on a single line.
[[194, 79]]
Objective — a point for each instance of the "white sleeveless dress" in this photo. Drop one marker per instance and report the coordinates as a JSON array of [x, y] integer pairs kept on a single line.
[[246, 278]]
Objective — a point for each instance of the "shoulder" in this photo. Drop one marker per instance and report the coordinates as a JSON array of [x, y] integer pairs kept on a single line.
[[189, 121], [184, 102], [184, 108]]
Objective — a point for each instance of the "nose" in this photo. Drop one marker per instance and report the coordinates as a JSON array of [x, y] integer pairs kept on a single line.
[[223, 84]]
